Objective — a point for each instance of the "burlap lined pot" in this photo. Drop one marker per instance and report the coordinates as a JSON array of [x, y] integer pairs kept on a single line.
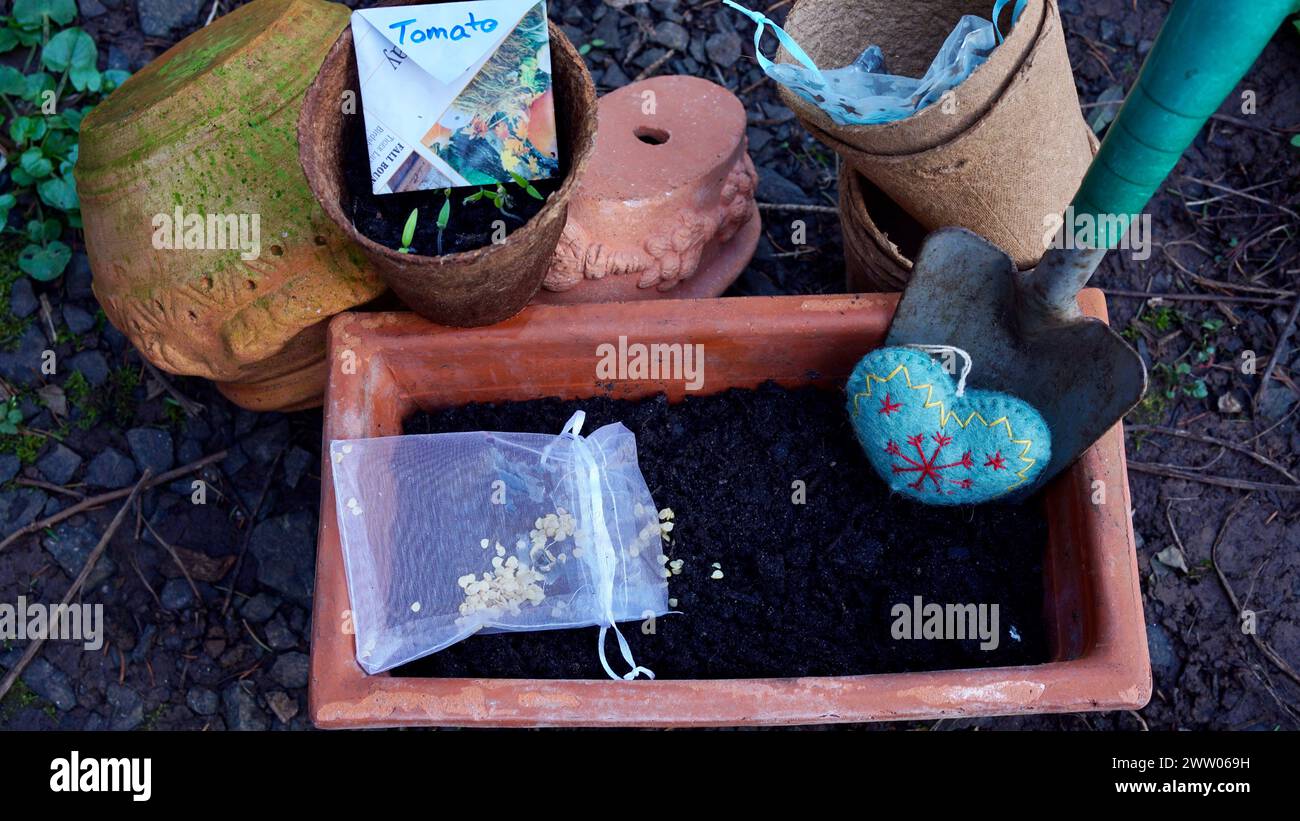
[[208, 129], [477, 287], [1004, 152]]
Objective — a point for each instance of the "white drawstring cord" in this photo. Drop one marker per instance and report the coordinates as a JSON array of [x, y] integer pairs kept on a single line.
[[966, 361], [592, 501]]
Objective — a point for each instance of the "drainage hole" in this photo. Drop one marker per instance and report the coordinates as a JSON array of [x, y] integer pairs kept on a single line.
[[651, 136]]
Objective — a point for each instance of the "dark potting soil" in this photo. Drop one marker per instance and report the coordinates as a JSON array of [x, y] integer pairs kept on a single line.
[[382, 217], [807, 589]]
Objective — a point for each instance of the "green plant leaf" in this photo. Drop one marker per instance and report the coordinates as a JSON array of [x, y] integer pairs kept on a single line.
[[408, 232], [444, 215], [114, 77], [45, 262], [59, 192], [27, 129], [7, 202], [42, 232], [86, 78], [35, 86], [12, 81], [1295, 140], [527, 186], [35, 163], [8, 40], [70, 49], [32, 13]]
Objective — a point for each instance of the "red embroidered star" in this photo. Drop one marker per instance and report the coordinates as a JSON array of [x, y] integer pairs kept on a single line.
[[996, 462], [887, 407], [928, 467]]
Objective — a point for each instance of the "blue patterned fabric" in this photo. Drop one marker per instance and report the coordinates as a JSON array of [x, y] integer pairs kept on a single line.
[[933, 446]]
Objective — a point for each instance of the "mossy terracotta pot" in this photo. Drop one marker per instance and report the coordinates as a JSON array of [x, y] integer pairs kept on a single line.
[[207, 133], [476, 287], [1092, 603]]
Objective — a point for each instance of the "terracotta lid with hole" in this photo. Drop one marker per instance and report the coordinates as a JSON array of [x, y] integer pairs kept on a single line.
[[666, 207]]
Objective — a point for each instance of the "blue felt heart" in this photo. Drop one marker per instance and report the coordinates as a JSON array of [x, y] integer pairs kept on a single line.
[[931, 445]]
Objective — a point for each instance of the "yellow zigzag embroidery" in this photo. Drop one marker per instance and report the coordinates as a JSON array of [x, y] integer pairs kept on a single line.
[[945, 415]]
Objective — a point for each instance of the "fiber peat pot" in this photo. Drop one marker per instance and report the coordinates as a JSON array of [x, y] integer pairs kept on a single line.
[[1091, 601], [476, 287]]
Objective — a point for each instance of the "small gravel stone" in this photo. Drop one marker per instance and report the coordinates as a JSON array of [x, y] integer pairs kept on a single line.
[[285, 549], [71, 544], [92, 365], [672, 35], [22, 300], [241, 710], [78, 320], [283, 705], [296, 462], [279, 636], [176, 594], [259, 608], [291, 670], [723, 49], [110, 469], [152, 449], [159, 18], [21, 364], [59, 464], [202, 701], [9, 466], [127, 707], [50, 683]]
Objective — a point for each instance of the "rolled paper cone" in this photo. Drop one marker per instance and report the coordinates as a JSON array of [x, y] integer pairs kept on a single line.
[[1000, 156]]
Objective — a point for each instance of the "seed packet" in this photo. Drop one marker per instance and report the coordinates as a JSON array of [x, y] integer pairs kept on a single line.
[[447, 535], [456, 94]]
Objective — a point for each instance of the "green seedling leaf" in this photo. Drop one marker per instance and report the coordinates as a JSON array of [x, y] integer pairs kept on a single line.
[[475, 197], [45, 262], [8, 40], [444, 214], [1295, 140], [526, 185], [32, 13], [408, 232]]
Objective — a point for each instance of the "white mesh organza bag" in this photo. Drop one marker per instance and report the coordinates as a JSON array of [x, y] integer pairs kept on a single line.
[[445, 535]]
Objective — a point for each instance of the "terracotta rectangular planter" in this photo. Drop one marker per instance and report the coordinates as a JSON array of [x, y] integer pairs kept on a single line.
[[385, 366]]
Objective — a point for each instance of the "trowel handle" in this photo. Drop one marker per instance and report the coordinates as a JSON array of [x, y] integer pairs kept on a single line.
[[1202, 52]]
